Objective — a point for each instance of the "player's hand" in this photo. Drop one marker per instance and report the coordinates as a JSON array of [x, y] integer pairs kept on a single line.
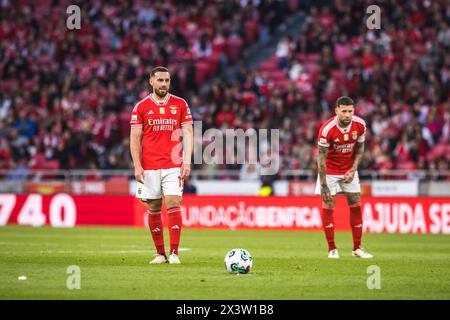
[[185, 170], [349, 176], [139, 174], [325, 193]]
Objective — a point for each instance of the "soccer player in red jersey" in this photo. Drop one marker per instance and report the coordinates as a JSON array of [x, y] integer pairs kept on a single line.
[[160, 160], [341, 147]]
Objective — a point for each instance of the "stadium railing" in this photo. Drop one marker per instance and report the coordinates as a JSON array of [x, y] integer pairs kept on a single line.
[[303, 175]]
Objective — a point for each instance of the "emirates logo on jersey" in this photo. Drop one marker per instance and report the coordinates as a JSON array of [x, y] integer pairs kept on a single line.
[[344, 148], [162, 124], [156, 122]]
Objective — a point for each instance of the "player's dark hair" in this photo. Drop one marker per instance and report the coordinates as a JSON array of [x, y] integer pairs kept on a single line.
[[344, 101], [158, 69]]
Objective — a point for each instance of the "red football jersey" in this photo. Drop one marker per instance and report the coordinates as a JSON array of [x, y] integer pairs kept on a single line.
[[161, 123], [341, 143]]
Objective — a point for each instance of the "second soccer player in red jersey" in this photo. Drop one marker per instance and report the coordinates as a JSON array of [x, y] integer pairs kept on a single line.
[[341, 147], [160, 164]]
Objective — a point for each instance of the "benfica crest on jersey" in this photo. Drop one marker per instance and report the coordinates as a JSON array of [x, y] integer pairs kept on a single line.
[[173, 109], [354, 135]]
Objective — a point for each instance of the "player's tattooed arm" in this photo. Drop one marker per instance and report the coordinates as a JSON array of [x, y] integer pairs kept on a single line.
[[325, 191], [359, 152]]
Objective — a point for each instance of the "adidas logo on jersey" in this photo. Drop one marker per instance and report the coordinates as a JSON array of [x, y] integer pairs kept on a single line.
[[336, 140], [151, 112]]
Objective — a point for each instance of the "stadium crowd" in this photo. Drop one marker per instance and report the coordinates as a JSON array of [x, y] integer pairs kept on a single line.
[[66, 97]]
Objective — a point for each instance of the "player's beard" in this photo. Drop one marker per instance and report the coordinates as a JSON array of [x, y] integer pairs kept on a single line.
[[344, 122], [161, 94]]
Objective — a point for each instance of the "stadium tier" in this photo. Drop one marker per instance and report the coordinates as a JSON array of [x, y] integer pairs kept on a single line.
[[302, 145]]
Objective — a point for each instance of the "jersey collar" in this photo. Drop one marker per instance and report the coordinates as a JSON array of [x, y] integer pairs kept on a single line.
[[160, 103], [343, 130]]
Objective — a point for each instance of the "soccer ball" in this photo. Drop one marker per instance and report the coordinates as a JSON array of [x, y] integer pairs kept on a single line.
[[238, 261]]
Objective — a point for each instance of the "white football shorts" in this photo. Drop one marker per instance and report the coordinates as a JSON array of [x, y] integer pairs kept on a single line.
[[336, 185], [160, 182]]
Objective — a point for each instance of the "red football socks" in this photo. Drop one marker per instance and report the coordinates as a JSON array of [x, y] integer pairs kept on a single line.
[[356, 223], [157, 231], [174, 219], [328, 227]]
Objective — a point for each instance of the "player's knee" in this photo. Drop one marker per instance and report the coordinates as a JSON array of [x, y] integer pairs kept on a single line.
[[353, 199], [172, 202], [154, 205], [328, 204]]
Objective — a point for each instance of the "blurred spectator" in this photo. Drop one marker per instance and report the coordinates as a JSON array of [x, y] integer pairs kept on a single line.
[[66, 95], [18, 172], [202, 48], [250, 172], [70, 91]]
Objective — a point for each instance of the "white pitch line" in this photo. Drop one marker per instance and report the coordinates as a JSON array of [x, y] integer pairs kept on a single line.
[[90, 251]]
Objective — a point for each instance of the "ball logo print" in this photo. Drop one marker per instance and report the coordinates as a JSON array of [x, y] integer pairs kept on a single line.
[[238, 261]]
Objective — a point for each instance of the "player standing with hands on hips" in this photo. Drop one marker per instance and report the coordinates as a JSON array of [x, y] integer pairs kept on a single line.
[[341, 147], [160, 164]]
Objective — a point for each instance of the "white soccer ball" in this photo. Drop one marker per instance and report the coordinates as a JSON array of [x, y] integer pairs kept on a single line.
[[238, 261]]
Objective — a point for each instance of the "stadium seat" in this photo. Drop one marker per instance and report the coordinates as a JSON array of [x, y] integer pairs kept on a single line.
[[251, 31], [293, 5], [278, 75], [202, 71], [406, 165], [233, 48], [268, 66], [213, 61]]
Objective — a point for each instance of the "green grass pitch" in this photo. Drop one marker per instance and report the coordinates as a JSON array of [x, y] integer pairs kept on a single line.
[[287, 265]]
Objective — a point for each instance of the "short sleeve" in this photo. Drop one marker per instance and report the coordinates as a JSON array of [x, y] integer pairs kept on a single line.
[[322, 140], [136, 116], [362, 137], [186, 116]]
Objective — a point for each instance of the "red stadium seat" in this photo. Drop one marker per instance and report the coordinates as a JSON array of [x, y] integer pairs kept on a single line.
[[202, 70], [218, 46], [293, 5], [234, 48], [278, 75], [312, 58], [406, 165], [268, 66], [214, 62], [283, 84], [251, 31], [51, 165]]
